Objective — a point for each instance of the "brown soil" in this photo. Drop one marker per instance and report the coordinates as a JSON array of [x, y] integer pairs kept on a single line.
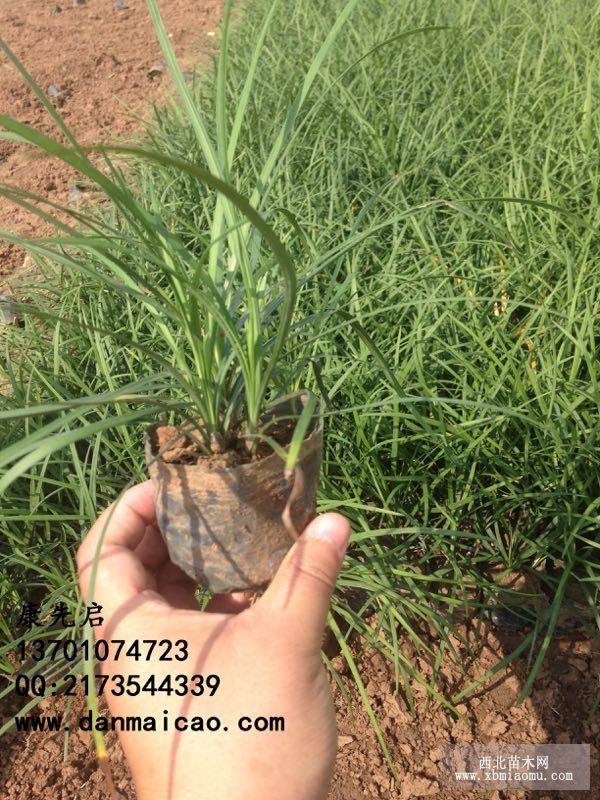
[[184, 445], [178, 448], [31, 765], [557, 711], [99, 62]]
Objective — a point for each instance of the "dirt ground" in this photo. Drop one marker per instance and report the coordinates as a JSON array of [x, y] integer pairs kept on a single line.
[[32, 766], [557, 711], [100, 64]]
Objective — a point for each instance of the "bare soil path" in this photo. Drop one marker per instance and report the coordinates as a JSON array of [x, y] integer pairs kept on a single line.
[[95, 61]]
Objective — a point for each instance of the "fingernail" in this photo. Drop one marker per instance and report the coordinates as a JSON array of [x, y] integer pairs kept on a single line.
[[331, 528]]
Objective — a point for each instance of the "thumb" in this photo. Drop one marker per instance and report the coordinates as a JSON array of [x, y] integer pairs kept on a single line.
[[301, 590]]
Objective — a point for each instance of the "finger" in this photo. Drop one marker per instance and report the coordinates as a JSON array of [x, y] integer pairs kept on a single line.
[[177, 588], [152, 550], [124, 522], [230, 603], [301, 590], [111, 543]]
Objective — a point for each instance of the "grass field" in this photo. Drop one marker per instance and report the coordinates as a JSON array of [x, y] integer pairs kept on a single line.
[[438, 191]]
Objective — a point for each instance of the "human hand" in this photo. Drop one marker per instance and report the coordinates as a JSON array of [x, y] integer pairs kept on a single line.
[[267, 656]]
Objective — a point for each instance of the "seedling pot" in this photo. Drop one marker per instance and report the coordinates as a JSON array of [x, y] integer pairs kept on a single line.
[[223, 526]]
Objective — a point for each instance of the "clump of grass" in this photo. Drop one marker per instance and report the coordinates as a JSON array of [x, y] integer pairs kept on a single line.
[[436, 191]]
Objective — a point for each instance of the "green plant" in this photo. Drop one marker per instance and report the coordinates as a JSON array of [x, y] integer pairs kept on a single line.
[[440, 187], [224, 315]]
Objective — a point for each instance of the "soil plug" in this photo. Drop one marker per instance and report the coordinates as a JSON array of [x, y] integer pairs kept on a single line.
[[229, 518]]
